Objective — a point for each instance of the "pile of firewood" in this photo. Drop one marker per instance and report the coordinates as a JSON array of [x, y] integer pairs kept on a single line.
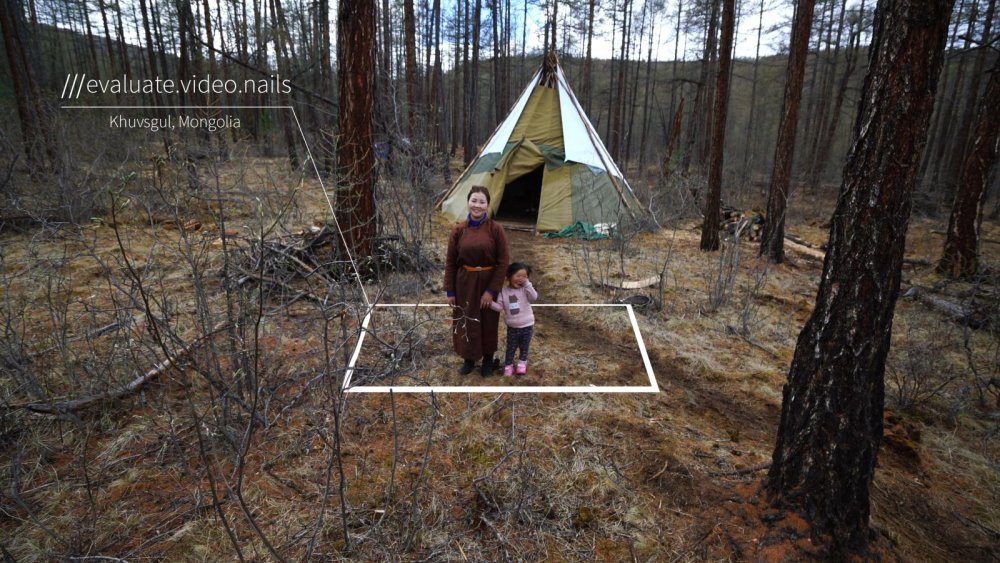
[[313, 255], [742, 224]]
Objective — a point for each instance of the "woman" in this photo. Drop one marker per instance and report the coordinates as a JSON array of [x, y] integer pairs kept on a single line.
[[474, 272]]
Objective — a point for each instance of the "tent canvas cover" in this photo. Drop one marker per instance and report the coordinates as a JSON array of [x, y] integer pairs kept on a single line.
[[546, 162]]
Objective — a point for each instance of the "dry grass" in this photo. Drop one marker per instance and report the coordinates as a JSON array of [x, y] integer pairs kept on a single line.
[[460, 477]]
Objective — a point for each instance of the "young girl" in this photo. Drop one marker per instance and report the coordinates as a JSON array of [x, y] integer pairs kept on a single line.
[[515, 302]]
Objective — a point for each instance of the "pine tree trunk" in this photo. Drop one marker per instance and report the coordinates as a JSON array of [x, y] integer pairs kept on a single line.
[[618, 101], [965, 123], [772, 242], [471, 82], [826, 95], [850, 61], [122, 44], [947, 140], [831, 418], [695, 133], [960, 258], [436, 82], [648, 86], [588, 94], [455, 104], [673, 66], [635, 90], [108, 45], [940, 104], [410, 40], [355, 158], [498, 109], [672, 137], [707, 115], [283, 54], [814, 89], [10, 22], [710, 227], [91, 43], [749, 141]]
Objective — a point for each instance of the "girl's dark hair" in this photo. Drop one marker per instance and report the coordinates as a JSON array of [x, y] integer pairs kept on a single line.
[[515, 266], [479, 190]]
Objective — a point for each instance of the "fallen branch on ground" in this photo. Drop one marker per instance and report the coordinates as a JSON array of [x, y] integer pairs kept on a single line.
[[90, 400], [743, 471], [973, 316]]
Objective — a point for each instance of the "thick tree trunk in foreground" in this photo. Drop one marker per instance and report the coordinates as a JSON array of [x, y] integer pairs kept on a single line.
[[710, 227], [961, 247], [355, 160], [831, 413], [773, 236]]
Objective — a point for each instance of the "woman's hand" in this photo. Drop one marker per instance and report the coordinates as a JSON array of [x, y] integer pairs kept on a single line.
[[485, 300], [451, 301]]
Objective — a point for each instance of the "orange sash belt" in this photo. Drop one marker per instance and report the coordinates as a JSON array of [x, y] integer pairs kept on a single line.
[[477, 268]]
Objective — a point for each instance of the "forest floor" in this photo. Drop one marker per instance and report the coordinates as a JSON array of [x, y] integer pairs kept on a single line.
[[172, 473]]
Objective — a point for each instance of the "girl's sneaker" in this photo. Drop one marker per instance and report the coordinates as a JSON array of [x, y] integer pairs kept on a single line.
[[508, 370], [522, 368]]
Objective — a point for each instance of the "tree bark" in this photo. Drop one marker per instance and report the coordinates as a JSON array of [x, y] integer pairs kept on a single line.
[[355, 159], [471, 87], [108, 45], [10, 18], [672, 136], [749, 141], [498, 103], [946, 138], [965, 123], [436, 85], [826, 94], [617, 103], [588, 60], [940, 106], [850, 61], [710, 227], [831, 418], [700, 113], [284, 53], [410, 40], [960, 258], [35, 132], [773, 235], [122, 44]]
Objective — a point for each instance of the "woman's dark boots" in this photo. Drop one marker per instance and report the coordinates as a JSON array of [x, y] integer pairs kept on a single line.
[[467, 367], [487, 368]]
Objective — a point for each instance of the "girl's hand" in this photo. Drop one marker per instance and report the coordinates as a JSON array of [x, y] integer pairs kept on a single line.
[[451, 300], [485, 300]]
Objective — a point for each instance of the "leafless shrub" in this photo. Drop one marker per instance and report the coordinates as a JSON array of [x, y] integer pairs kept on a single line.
[[70, 188], [721, 285], [748, 315], [173, 295], [677, 197], [611, 250], [409, 181], [917, 369], [984, 297]]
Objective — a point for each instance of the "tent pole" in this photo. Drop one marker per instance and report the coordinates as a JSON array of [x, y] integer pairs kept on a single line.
[[496, 129]]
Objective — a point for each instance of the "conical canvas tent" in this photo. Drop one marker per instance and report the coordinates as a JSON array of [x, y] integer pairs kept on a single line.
[[545, 162]]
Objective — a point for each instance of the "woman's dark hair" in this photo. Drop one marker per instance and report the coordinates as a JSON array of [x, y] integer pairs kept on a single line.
[[479, 190], [515, 267]]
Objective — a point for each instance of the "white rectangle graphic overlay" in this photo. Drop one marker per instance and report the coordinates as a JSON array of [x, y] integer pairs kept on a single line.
[[653, 387]]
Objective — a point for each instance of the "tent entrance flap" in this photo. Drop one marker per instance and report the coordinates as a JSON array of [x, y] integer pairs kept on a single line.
[[521, 196]]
